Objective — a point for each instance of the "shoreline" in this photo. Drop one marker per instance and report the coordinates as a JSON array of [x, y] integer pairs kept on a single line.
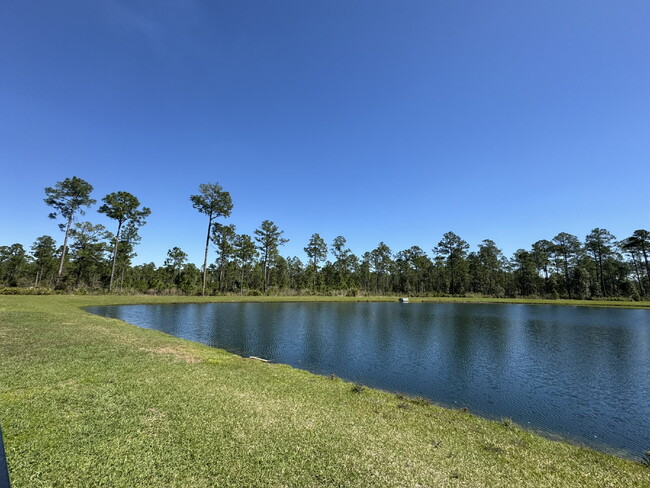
[[128, 299], [574, 439]]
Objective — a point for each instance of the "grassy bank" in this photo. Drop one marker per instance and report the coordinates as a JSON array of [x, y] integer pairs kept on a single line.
[[88, 401], [107, 299]]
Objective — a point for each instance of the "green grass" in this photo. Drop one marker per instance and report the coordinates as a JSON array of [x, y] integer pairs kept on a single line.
[[93, 402], [104, 299]]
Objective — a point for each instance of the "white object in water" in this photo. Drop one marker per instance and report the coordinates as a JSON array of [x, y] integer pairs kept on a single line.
[[259, 359]]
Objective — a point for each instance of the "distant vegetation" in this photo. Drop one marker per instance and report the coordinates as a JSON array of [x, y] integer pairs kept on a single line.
[[92, 259]]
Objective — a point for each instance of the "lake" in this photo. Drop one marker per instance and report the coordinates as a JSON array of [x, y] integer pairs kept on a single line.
[[576, 372]]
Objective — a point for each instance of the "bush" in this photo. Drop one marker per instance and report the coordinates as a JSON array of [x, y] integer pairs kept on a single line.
[[14, 290]]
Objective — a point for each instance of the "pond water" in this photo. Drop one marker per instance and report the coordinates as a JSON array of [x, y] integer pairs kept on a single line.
[[576, 372]]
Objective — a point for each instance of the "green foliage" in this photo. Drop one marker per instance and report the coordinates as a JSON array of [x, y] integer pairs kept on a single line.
[[453, 250], [68, 197], [269, 238], [316, 251], [525, 273], [88, 252], [13, 263], [125, 208], [213, 201], [340, 277], [566, 249], [381, 261], [244, 253], [224, 238], [44, 253], [600, 243], [7, 290], [175, 263], [562, 268]]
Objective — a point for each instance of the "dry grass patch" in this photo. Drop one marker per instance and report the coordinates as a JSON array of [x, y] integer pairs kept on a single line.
[[179, 353]]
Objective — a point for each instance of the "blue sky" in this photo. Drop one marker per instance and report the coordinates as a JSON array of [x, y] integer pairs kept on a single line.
[[392, 121]]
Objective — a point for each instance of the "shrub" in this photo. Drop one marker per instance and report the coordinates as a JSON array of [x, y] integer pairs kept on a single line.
[[14, 290]]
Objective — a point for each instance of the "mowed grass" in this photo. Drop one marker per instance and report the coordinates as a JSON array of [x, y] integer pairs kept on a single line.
[[93, 402]]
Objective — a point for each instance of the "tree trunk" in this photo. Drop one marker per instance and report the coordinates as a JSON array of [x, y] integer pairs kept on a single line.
[[39, 276], [645, 258], [221, 274], [638, 276], [79, 269], [241, 283], [453, 280], [602, 277], [117, 240], [265, 268], [566, 275], [65, 246], [205, 256]]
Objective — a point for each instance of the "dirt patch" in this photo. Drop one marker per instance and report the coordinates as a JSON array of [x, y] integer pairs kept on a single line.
[[176, 352]]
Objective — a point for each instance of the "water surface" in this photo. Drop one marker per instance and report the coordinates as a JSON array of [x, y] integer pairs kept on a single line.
[[577, 372]]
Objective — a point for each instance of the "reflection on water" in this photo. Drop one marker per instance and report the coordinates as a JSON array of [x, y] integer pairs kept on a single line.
[[583, 373]]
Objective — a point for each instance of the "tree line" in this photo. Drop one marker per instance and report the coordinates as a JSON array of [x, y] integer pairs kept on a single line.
[[94, 259]]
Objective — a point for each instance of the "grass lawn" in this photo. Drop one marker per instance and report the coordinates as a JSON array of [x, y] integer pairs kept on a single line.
[[93, 402]]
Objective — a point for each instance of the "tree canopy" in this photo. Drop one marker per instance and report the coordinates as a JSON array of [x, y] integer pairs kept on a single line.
[[67, 198], [566, 266], [214, 202], [123, 207]]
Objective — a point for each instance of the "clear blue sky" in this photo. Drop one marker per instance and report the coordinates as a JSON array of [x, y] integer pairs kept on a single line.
[[391, 121]]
